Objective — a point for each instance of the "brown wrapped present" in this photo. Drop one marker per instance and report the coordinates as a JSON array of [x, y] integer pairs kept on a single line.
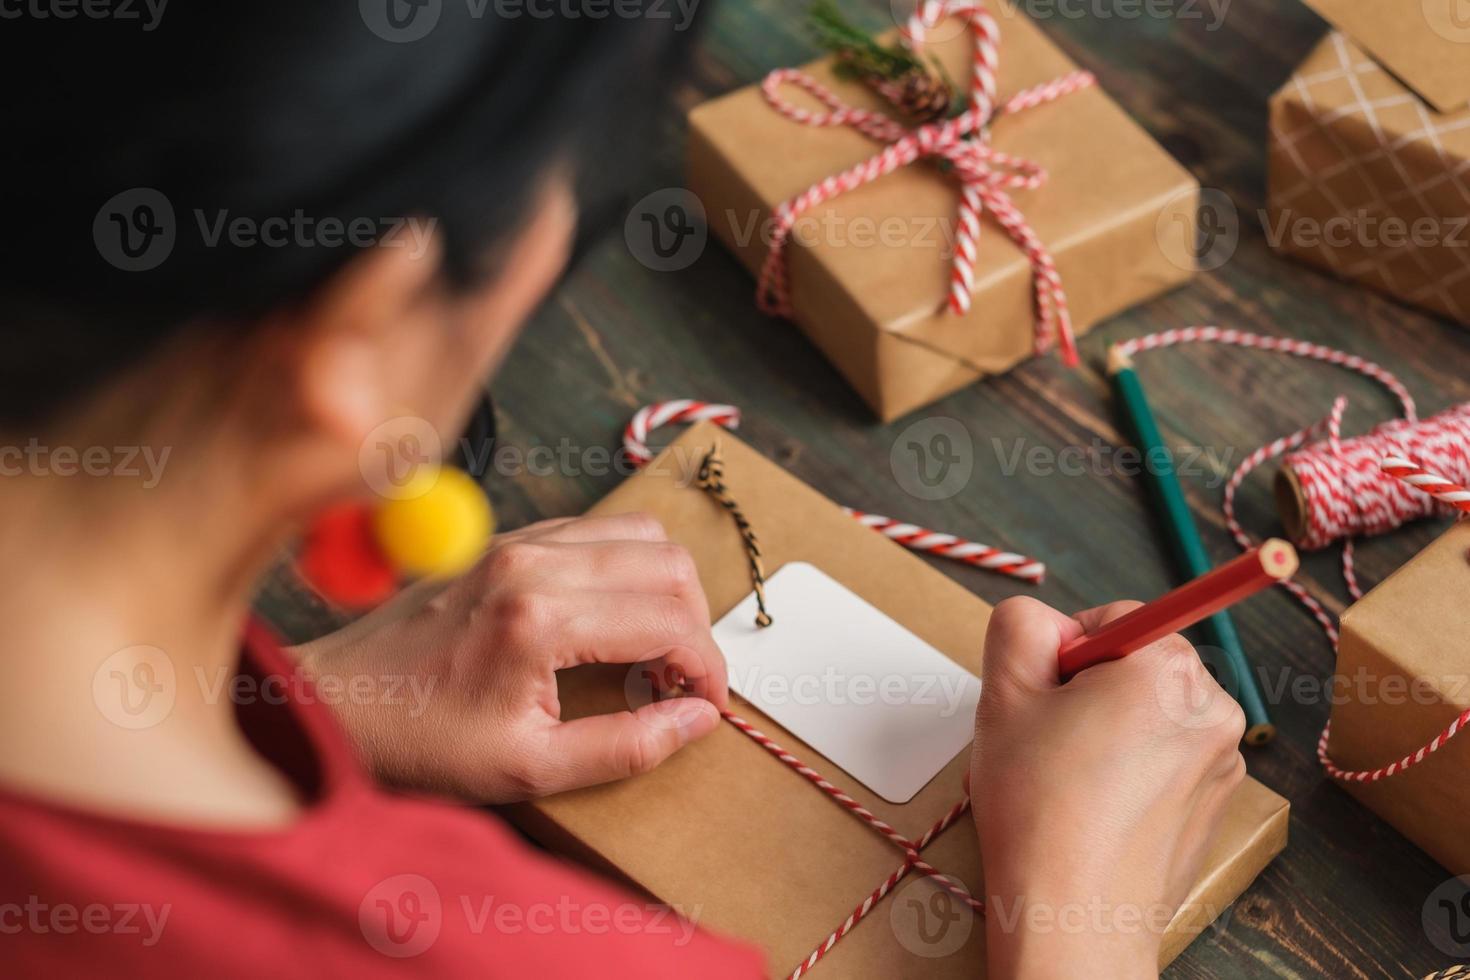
[[731, 836], [1404, 673], [1369, 170], [870, 270]]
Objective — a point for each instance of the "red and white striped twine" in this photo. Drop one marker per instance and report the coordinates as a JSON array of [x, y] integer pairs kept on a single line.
[[1446, 491], [1362, 486], [985, 174], [635, 445], [911, 849], [650, 417]]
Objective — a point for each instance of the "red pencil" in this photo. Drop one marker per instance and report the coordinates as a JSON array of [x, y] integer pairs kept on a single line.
[[1233, 581]]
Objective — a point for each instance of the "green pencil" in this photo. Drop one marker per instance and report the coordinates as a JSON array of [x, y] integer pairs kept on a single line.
[[1188, 549]]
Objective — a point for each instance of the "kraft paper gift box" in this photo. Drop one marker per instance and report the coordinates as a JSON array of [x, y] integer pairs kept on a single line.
[[870, 270], [1404, 665], [729, 835], [1369, 166]]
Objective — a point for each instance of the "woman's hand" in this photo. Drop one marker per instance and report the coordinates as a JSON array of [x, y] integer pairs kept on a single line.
[[1096, 801], [486, 647]]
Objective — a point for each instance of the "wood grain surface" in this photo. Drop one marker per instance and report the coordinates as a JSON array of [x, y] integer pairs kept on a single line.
[[1345, 899]]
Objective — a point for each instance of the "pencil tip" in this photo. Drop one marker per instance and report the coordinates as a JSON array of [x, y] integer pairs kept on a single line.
[[1279, 559]]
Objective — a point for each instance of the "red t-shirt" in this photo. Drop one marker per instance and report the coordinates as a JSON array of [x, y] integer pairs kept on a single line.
[[362, 884]]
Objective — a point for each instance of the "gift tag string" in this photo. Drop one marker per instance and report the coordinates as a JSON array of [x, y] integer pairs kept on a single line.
[[711, 480]]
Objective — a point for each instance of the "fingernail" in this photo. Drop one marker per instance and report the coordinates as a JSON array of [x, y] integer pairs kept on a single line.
[[695, 718]]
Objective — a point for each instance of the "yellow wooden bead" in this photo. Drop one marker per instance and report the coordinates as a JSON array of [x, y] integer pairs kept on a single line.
[[438, 527]]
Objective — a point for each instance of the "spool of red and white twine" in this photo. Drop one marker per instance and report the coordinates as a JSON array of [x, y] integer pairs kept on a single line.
[[912, 536], [1403, 470], [985, 174]]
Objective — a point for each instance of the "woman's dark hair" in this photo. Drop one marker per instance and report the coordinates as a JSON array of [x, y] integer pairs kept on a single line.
[[147, 160]]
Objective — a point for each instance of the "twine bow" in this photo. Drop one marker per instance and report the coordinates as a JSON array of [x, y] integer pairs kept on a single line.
[[985, 174]]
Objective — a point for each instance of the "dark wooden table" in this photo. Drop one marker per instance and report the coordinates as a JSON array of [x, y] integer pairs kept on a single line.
[[1344, 900]]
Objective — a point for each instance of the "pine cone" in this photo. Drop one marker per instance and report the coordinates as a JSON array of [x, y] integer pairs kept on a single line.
[[917, 94]]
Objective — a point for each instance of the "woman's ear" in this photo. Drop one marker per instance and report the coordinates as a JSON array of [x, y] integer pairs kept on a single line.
[[387, 338], [365, 338]]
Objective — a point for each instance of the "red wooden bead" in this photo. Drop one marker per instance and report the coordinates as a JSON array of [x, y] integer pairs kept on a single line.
[[341, 559]]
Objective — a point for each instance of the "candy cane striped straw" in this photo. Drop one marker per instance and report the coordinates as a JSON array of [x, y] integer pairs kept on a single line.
[[651, 417], [948, 546], [1441, 489]]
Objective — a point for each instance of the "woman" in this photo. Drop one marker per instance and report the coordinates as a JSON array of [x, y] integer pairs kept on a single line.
[[182, 285]]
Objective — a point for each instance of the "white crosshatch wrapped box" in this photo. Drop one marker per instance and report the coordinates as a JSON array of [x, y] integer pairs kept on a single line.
[[1369, 165]]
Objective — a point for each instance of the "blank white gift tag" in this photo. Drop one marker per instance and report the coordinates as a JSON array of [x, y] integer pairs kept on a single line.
[[851, 682]]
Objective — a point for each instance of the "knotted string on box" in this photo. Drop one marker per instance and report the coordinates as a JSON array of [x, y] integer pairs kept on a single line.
[[986, 174], [1400, 471], [711, 479]]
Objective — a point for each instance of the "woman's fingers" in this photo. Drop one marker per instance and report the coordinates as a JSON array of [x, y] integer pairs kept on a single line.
[[1022, 641], [662, 632], [1096, 618], [603, 748], [626, 566], [616, 527], [534, 530]]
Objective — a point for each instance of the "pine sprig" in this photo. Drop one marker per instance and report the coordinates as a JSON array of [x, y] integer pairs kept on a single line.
[[893, 71], [858, 53]]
